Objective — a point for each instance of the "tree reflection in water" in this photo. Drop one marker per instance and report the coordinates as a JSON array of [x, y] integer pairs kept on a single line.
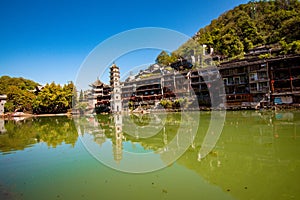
[[256, 157], [53, 131]]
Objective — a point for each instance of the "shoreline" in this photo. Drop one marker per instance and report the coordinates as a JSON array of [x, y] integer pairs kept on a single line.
[[27, 115], [294, 107]]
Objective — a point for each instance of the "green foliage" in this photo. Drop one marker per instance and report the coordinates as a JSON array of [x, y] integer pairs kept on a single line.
[[54, 99], [149, 75], [190, 48], [20, 83], [266, 55], [70, 94], [140, 120], [130, 105], [176, 104], [19, 93], [19, 100], [166, 103], [23, 96], [254, 24], [165, 59], [81, 96], [53, 131], [291, 48]]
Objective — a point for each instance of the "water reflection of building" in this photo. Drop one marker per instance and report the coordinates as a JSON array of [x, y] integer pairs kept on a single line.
[[238, 142], [257, 163], [117, 146], [95, 127]]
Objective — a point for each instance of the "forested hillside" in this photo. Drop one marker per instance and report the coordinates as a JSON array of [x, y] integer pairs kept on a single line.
[[254, 24], [275, 24]]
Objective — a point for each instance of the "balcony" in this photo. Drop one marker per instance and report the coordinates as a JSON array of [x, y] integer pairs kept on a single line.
[[261, 79], [259, 90]]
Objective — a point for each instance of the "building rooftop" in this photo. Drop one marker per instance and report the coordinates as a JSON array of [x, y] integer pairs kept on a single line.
[[114, 66], [98, 83]]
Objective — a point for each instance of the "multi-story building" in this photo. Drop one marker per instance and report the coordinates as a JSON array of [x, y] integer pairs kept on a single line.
[[107, 98], [247, 83], [100, 96], [148, 91], [116, 101], [273, 80], [285, 79]]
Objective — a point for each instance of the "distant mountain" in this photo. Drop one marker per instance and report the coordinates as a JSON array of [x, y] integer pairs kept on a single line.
[[257, 23]]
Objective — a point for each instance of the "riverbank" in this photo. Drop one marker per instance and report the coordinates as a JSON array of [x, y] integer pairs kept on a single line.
[[282, 107], [27, 115]]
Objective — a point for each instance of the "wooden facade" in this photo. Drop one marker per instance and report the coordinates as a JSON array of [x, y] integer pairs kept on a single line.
[[262, 80], [247, 83], [100, 96]]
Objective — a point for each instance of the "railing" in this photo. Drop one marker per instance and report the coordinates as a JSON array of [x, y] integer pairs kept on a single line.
[[259, 79], [260, 90], [282, 90]]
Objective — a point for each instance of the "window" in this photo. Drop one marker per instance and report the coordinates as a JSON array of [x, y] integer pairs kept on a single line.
[[263, 86], [236, 80], [225, 80], [262, 75], [253, 76], [243, 79]]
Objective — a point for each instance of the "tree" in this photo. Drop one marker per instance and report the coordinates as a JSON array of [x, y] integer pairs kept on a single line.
[[291, 48], [18, 100], [81, 96], [71, 93], [54, 99], [190, 48], [19, 93], [165, 59], [21, 83]]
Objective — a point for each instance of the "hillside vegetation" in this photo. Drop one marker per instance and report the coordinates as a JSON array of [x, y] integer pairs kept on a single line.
[[258, 23], [254, 24]]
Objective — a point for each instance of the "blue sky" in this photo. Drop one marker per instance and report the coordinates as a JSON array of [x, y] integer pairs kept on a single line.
[[48, 41]]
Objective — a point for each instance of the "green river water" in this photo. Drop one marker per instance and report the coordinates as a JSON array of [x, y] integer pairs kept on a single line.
[[255, 156]]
